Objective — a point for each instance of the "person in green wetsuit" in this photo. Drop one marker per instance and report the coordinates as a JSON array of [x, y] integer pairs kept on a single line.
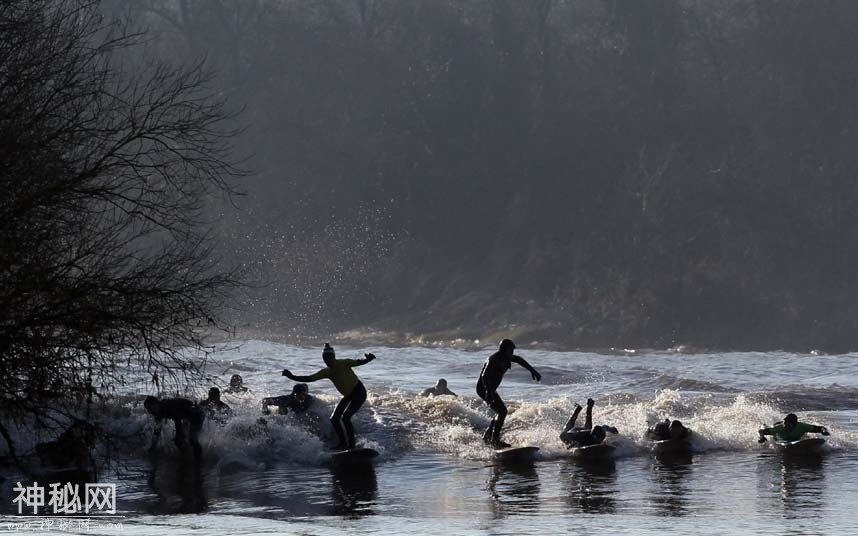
[[340, 372], [791, 430]]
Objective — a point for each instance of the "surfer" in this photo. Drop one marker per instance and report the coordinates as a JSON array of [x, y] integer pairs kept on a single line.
[[340, 372], [215, 408], [440, 389], [236, 385], [490, 378], [668, 429], [791, 430], [181, 411], [298, 401], [576, 436]]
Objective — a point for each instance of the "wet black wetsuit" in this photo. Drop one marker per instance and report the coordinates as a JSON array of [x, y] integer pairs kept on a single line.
[[576, 436], [288, 402], [490, 379], [180, 410], [216, 409]]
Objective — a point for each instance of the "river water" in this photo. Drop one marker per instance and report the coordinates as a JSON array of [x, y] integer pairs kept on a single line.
[[434, 474]]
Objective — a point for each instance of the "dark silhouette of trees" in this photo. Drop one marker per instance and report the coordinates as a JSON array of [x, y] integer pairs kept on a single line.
[[105, 267], [635, 172]]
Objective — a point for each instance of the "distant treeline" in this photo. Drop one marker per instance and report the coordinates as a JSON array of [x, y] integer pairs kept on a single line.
[[636, 172]]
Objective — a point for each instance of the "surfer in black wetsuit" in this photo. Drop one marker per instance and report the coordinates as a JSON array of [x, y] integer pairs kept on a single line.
[[490, 378], [668, 429], [575, 436], [236, 385], [215, 408], [180, 411], [299, 401], [440, 389]]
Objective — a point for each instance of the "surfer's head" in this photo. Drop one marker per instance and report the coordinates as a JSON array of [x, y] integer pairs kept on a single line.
[[152, 405], [214, 394], [598, 433], [236, 382], [790, 421], [676, 429], [328, 355], [300, 390], [442, 384], [506, 346]]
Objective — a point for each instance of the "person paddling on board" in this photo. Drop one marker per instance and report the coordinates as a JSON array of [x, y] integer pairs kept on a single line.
[[490, 378], [668, 429], [791, 430], [440, 389], [298, 402], [576, 436], [340, 372]]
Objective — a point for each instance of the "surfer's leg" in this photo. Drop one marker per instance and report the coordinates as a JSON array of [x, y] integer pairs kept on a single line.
[[196, 426], [356, 399], [487, 398], [336, 417], [500, 408], [588, 421], [487, 435], [570, 424]]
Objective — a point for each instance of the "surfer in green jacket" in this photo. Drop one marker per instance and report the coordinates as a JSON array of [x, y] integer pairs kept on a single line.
[[791, 430], [340, 372]]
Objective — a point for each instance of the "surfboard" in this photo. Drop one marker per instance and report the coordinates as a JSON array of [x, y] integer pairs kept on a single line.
[[361, 454], [601, 451], [672, 447], [809, 445], [516, 453]]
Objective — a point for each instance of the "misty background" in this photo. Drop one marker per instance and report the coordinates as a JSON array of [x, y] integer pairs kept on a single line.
[[589, 173]]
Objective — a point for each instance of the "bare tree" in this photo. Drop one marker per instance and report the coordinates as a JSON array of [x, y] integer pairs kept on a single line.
[[105, 263]]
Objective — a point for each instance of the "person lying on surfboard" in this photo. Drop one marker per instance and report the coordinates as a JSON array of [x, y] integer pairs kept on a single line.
[[668, 429], [440, 389], [340, 372], [574, 436], [297, 402], [791, 430], [490, 378]]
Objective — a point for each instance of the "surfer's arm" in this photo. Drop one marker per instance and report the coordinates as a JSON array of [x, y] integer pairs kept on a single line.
[[324, 373], [271, 402], [358, 362], [520, 360], [764, 432], [820, 430]]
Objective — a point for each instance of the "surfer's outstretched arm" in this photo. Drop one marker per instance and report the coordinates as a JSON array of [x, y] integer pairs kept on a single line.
[[367, 358], [525, 364], [820, 430], [763, 433], [324, 373]]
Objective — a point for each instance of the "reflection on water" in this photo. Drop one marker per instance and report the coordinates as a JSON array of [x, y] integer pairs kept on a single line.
[[353, 490], [670, 495], [178, 485], [513, 489], [797, 483], [591, 487]]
